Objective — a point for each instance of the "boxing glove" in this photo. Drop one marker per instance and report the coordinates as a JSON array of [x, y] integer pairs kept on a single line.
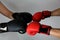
[[33, 28], [14, 26], [24, 16], [41, 15], [37, 16]]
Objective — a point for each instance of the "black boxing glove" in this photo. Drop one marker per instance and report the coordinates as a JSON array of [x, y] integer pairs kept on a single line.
[[23, 16], [14, 26]]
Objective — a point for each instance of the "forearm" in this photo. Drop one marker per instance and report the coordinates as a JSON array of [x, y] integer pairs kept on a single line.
[[55, 12], [55, 32], [5, 11]]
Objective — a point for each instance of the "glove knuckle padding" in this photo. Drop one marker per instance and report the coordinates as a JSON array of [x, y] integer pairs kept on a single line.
[[25, 16], [37, 16], [33, 28]]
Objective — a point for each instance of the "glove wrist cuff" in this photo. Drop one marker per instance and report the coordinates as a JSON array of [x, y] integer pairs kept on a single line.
[[46, 14], [44, 29]]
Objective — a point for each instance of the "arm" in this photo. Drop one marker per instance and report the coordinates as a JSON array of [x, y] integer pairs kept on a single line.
[[24, 15], [5, 11], [8, 13], [56, 12], [55, 32]]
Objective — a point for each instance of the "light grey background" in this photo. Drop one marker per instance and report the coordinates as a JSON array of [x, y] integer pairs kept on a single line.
[[31, 6]]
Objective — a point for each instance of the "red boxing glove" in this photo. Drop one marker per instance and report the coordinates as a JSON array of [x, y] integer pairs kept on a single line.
[[45, 29], [46, 14], [37, 16], [41, 15], [33, 28]]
